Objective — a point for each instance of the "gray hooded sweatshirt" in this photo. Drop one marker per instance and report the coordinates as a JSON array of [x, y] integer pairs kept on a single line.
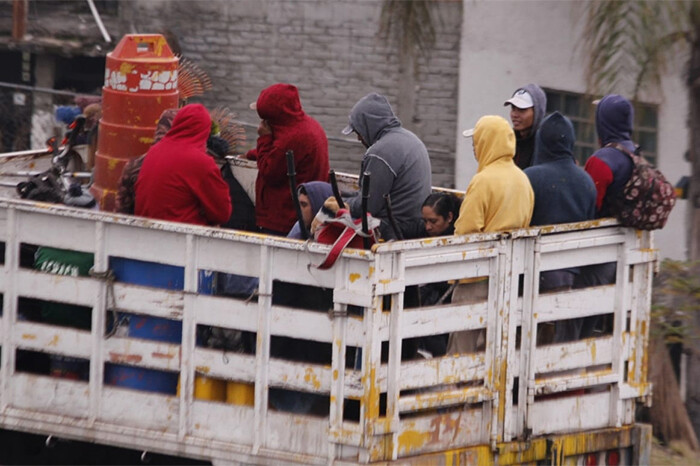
[[398, 163], [525, 146]]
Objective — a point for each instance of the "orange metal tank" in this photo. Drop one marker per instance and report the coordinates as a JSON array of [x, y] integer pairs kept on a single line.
[[140, 82]]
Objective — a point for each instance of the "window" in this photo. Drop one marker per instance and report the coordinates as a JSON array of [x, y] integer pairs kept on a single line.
[[581, 111]]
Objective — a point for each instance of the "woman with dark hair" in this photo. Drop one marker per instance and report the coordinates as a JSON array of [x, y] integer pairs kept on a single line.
[[439, 211]]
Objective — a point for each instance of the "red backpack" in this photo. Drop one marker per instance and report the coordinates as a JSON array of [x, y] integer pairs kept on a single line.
[[647, 199]]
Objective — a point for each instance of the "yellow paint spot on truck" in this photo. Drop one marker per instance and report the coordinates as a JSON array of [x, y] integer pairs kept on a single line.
[[411, 440], [310, 377], [354, 277]]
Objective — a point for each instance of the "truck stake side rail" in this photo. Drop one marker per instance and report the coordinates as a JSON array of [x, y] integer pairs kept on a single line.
[[501, 404]]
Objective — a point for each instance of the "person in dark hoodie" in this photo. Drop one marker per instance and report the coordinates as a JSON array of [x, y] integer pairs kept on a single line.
[[609, 167], [284, 127], [610, 170], [178, 180], [312, 195], [564, 193], [398, 163], [528, 106]]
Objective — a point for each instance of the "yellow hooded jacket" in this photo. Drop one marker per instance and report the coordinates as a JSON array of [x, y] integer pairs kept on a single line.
[[500, 196]]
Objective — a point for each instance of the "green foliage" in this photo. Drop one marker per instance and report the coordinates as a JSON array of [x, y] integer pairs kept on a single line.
[[676, 301], [411, 23], [629, 43]]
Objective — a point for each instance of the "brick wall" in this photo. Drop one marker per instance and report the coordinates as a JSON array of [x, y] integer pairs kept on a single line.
[[330, 49]]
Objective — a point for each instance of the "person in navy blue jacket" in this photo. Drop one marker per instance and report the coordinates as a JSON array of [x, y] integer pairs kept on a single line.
[[609, 167], [564, 193]]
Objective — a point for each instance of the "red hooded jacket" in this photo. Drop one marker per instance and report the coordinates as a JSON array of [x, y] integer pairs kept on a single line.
[[292, 129], [178, 180]]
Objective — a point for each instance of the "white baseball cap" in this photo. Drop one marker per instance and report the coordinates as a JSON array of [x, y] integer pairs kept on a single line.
[[521, 99], [468, 133], [347, 130]]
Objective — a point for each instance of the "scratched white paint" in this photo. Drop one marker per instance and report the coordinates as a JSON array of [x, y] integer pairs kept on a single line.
[[469, 384]]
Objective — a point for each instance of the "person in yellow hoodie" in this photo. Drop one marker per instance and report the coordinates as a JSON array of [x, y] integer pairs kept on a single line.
[[499, 197]]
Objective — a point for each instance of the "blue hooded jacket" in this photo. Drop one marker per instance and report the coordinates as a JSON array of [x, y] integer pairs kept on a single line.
[[614, 120], [318, 192], [563, 192]]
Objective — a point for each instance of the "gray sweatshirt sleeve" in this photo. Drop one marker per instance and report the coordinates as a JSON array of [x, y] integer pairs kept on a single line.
[[381, 180]]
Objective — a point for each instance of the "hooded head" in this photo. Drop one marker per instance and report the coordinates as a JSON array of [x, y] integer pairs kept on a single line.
[[554, 140], [317, 192], [191, 126], [279, 104], [370, 117], [613, 119], [165, 122], [539, 103], [493, 140]]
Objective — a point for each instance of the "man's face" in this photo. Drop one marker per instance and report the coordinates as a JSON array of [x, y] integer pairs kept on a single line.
[[306, 213], [522, 118], [359, 138]]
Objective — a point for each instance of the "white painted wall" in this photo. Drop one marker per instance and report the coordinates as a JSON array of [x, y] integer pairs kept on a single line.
[[507, 44]]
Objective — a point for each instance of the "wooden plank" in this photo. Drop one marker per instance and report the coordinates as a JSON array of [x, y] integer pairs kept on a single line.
[[436, 432], [99, 317], [580, 241], [58, 288], [299, 376], [231, 313], [297, 433], [394, 364], [64, 231], [262, 349], [224, 255], [572, 355], [444, 319], [579, 257], [222, 421], [442, 371], [9, 309], [224, 365], [137, 243], [575, 303], [450, 271], [167, 304], [144, 410], [142, 353], [571, 414], [52, 339], [317, 325], [189, 335], [50, 395], [446, 255], [573, 382], [448, 397]]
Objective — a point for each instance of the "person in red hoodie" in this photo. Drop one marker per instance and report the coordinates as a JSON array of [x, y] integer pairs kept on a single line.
[[178, 180], [284, 127]]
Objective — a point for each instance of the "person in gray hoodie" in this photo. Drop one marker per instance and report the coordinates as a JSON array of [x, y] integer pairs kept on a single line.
[[398, 163], [528, 106]]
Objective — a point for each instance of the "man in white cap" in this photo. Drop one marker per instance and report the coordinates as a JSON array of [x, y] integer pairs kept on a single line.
[[527, 109]]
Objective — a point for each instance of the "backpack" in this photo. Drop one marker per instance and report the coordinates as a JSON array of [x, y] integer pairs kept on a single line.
[[243, 214], [647, 198]]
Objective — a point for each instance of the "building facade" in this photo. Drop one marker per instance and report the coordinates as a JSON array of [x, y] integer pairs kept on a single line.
[[336, 51]]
